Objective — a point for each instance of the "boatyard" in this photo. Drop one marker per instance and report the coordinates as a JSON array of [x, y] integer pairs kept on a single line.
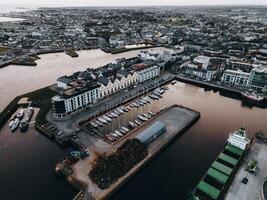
[[175, 119], [250, 181]]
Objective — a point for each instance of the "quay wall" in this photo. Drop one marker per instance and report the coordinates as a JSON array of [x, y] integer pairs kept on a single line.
[[154, 149]]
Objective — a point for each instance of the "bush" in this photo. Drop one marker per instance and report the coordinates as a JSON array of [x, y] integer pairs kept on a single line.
[[108, 169]]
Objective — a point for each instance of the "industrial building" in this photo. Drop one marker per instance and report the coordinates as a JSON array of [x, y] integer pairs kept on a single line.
[[152, 132]]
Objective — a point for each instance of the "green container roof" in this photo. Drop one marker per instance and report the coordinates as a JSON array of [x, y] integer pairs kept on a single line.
[[222, 168], [218, 176], [228, 159], [234, 149], [208, 189]]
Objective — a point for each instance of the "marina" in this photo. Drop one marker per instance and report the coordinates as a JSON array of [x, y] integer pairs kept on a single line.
[[168, 117], [156, 102], [111, 125]]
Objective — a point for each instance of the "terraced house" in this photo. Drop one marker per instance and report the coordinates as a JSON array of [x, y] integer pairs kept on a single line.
[[83, 89]]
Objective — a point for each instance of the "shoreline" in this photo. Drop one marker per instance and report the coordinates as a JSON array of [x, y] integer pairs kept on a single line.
[[43, 52], [224, 91]]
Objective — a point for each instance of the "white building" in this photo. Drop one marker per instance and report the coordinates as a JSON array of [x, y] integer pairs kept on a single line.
[[74, 100], [236, 77], [148, 73], [158, 55]]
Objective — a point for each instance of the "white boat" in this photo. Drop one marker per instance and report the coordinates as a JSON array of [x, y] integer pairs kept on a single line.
[[253, 97], [13, 117], [114, 114], [20, 113], [117, 112], [11, 123], [152, 96], [151, 113], [142, 118], [98, 123], [146, 115], [120, 110], [143, 101], [106, 118], [137, 122], [115, 135], [122, 130], [161, 91], [132, 125], [146, 99], [132, 105], [165, 88], [125, 129], [102, 120], [124, 109], [173, 82], [140, 102], [157, 94], [93, 124], [136, 105], [110, 115], [15, 124], [118, 133]]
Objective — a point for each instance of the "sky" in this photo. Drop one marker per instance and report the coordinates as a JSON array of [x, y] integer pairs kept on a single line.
[[129, 2]]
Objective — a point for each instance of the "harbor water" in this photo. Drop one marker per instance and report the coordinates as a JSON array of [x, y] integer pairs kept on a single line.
[[28, 159]]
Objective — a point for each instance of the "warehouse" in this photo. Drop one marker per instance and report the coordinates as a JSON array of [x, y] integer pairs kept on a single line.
[[152, 132]]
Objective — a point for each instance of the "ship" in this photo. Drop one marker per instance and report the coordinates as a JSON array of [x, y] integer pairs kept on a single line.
[[253, 97], [15, 124], [215, 182], [24, 124], [20, 113], [173, 82]]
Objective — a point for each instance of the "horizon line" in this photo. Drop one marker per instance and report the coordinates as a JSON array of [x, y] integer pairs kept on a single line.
[[156, 5]]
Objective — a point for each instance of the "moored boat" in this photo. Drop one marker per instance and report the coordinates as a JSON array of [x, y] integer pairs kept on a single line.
[[253, 97], [142, 118], [15, 124], [11, 123], [24, 124], [173, 82], [20, 113]]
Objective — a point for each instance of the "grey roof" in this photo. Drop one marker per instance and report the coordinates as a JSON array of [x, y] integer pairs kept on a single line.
[[150, 131]]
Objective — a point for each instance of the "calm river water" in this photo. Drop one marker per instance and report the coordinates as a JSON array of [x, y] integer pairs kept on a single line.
[[27, 160]]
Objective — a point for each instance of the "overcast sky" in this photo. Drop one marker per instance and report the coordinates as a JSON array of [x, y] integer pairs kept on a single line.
[[131, 2]]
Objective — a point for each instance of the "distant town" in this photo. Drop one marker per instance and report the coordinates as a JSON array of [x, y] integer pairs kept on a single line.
[[117, 117]]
